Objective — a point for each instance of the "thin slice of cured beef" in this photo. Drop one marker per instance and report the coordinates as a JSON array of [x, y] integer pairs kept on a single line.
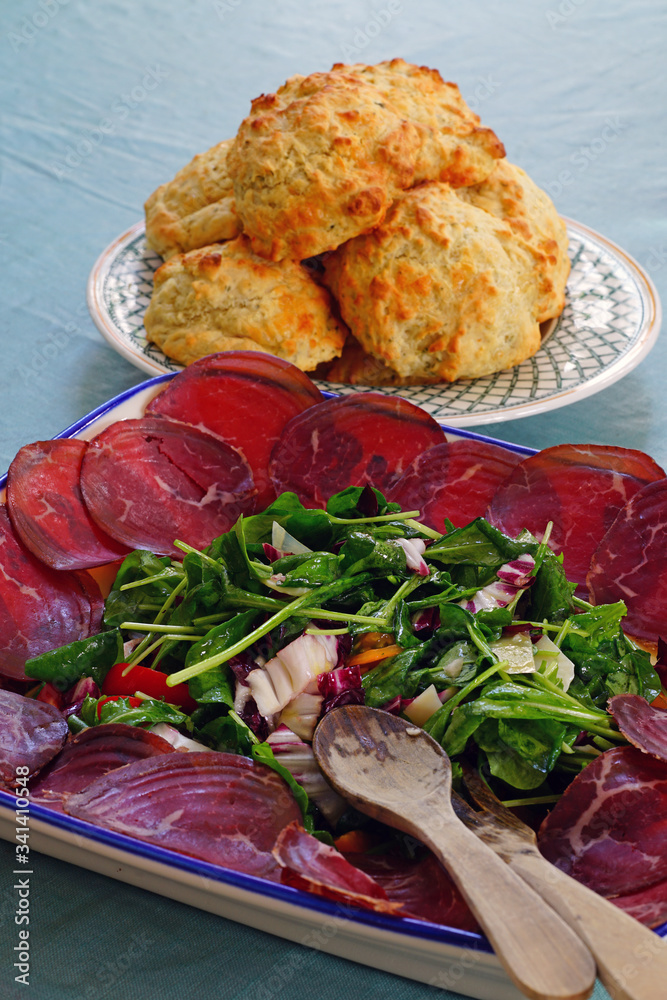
[[629, 563], [246, 398], [31, 734], [309, 864], [649, 906], [609, 830], [47, 509], [581, 488], [644, 726], [354, 440], [219, 807], [40, 608], [150, 481], [421, 885], [455, 480], [90, 754]]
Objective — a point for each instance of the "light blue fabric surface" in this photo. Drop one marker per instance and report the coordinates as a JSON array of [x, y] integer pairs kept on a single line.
[[100, 103]]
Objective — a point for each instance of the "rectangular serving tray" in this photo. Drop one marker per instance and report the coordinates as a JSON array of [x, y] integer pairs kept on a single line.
[[442, 956]]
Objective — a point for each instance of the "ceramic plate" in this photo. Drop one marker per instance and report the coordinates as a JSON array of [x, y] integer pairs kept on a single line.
[[610, 322], [453, 959]]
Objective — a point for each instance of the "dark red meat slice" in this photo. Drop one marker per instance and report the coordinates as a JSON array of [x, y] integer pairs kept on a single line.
[[580, 487], [456, 479], [645, 727], [246, 398], [219, 807], [40, 608], [629, 563], [421, 885], [31, 734], [150, 481], [47, 509], [609, 830], [350, 441], [649, 906], [309, 864], [90, 754]]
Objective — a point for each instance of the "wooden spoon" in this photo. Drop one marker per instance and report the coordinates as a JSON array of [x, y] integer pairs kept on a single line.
[[395, 772]]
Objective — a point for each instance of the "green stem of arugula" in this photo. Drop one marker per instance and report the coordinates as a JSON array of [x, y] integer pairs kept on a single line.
[[141, 650], [399, 515], [287, 610]]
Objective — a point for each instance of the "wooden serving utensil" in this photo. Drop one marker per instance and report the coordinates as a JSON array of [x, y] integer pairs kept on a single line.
[[395, 772], [631, 959]]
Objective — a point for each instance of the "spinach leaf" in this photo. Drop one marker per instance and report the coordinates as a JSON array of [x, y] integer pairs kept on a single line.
[[392, 677], [140, 603], [362, 551], [91, 657], [522, 752], [479, 544], [220, 638], [360, 501], [120, 710], [226, 735], [550, 596]]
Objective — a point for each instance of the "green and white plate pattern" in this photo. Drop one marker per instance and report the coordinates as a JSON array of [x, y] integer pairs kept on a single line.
[[610, 322]]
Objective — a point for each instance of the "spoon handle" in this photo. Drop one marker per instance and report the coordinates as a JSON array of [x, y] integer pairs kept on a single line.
[[540, 953], [632, 960]]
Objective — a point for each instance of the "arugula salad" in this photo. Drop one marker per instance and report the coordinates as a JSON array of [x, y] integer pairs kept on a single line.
[[242, 647]]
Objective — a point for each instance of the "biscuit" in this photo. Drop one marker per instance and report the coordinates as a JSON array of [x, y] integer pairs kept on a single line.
[[224, 298], [456, 148], [511, 195], [319, 162], [440, 290], [194, 209]]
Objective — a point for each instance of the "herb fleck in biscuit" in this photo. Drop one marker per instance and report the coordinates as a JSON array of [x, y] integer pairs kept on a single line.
[[196, 208], [224, 298], [441, 289]]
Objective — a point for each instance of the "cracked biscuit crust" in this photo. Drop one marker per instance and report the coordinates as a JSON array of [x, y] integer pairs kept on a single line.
[[456, 147], [511, 195], [441, 290], [319, 162], [196, 208], [224, 298]]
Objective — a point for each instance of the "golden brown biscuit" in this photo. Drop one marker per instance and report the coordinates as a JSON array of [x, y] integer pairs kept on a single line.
[[319, 162], [196, 208], [441, 289], [456, 148], [511, 195], [224, 298], [356, 367]]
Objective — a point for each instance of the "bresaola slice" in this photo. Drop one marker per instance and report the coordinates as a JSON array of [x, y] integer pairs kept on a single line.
[[150, 481], [350, 441], [91, 754], [609, 830], [421, 885], [648, 906], [455, 480], [641, 724], [219, 807], [581, 488], [40, 608], [630, 565], [31, 734], [47, 509], [244, 397], [309, 864]]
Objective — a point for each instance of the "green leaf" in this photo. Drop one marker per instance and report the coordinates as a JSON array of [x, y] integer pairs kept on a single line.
[[345, 504], [522, 752], [479, 544], [91, 657], [263, 754], [120, 710], [219, 639], [392, 677], [550, 596], [226, 735], [140, 603], [312, 570]]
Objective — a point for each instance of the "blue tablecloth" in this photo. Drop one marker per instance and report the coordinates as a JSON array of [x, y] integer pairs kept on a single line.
[[100, 103]]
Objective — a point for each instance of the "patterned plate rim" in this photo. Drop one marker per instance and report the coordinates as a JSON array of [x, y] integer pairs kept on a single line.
[[644, 338]]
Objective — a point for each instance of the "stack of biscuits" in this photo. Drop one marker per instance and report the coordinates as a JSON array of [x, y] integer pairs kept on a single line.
[[363, 225]]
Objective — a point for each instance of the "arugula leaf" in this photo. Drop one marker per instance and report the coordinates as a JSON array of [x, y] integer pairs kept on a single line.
[[217, 640], [521, 752], [357, 501], [550, 596], [141, 602], [226, 735]]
